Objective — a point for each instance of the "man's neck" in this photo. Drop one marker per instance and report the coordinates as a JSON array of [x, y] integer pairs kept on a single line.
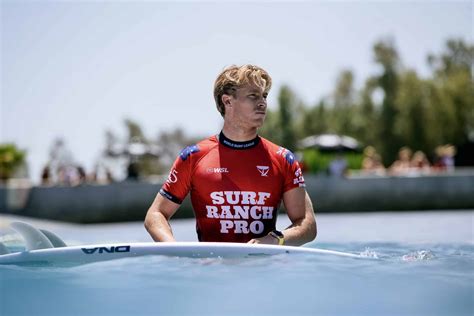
[[238, 134]]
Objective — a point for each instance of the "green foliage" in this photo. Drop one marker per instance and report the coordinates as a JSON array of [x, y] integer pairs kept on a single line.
[[394, 108], [11, 158], [286, 101], [135, 132], [387, 57], [316, 161], [313, 121], [279, 126], [271, 129], [413, 109]]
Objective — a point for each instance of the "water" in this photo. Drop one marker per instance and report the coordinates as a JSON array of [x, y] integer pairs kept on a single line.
[[424, 267]]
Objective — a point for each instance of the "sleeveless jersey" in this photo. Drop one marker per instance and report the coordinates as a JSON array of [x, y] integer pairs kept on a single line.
[[236, 187]]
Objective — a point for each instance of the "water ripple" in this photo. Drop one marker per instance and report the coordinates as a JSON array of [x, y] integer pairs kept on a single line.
[[419, 255]]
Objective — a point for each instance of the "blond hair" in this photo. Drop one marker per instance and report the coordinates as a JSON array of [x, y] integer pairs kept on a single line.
[[234, 77]]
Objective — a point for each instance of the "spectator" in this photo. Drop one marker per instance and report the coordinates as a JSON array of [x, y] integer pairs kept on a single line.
[[372, 162], [82, 177], [133, 171], [438, 164], [420, 162], [403, 164], [444, 160], [46, 175], [338, 166], [448, 157]]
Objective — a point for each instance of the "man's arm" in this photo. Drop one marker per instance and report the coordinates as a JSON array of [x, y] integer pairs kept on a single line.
[[300, 210], [303, 225], [157, 219]]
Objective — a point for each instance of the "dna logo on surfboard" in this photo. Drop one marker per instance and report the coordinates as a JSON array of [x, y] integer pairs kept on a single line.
[[112, 249]]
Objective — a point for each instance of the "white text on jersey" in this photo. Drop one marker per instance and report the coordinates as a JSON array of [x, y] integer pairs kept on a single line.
[[217, 170]]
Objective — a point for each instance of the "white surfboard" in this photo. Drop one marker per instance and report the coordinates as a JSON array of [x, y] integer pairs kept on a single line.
[[39, 250]]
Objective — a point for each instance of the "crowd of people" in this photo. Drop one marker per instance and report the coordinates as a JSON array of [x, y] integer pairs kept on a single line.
[[408, 162], [62, 171], [73, 175]]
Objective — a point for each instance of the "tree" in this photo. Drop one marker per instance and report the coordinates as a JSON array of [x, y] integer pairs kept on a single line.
[[453, 91], [135, 132], [413, 121], [387, 57], [279, 125], [11, 158], [365, 119], [343, 99], [314, 121], [286, 109], [421, 113], [270, 128]]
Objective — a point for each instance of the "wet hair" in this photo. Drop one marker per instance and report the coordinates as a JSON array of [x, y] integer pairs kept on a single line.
[[235, 77]]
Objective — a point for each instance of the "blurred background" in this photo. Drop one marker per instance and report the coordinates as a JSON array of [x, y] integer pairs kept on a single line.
[[97, 99]]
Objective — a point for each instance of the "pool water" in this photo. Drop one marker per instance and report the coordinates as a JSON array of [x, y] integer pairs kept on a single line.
[[413, 266]]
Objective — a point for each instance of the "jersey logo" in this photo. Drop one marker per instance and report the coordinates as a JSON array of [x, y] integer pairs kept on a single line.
[[173, 176], [299, 178], [289, 156], [186, 152], [263, 170], [217, 170]]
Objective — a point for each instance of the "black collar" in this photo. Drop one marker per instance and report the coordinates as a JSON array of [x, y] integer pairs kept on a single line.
[[238, 145]]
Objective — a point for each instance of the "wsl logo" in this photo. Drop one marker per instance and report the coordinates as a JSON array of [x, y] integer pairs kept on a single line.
[[217, 170]]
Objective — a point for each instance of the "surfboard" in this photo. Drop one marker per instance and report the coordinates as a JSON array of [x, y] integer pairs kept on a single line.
[[45, 247]]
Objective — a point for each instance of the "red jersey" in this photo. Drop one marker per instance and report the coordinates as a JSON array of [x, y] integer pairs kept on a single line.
[[236, 187]]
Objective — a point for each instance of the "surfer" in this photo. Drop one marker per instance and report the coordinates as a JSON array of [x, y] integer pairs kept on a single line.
[[237, 179]]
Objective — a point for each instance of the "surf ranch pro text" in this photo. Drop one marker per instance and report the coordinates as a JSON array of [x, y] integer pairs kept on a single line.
[[235, 208]]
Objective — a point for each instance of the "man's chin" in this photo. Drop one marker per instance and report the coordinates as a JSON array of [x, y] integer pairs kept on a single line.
[[258, 124]]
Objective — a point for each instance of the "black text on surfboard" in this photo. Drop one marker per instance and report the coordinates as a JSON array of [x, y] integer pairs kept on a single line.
[[112, 249]]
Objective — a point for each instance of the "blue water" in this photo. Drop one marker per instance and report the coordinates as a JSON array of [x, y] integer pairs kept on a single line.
[[407, 278]]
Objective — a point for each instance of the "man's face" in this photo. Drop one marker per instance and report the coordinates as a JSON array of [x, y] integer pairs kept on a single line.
[[247, 107]]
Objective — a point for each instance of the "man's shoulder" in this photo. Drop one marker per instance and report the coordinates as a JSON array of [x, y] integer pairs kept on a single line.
[[208, 143], [279, 153], [269, 145], [199, 149]]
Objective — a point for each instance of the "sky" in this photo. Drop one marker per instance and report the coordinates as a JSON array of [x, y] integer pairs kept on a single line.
[[74, 69]]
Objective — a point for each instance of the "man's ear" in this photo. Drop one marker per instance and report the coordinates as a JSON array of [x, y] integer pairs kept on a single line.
[[226, 99]]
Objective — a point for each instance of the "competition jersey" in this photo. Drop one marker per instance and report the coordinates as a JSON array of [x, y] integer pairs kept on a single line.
[[236, 187]]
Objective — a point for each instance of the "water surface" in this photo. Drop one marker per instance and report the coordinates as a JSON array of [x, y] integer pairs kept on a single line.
[[424, 267]]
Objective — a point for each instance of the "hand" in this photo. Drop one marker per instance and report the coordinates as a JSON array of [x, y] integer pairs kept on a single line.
[[269, 240]]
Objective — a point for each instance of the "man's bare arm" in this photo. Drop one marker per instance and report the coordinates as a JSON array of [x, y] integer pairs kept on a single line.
[[300, 210], [157, 219], [303, 225]]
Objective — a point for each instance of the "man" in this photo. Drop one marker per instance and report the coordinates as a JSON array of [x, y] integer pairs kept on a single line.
[[237, 179]]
